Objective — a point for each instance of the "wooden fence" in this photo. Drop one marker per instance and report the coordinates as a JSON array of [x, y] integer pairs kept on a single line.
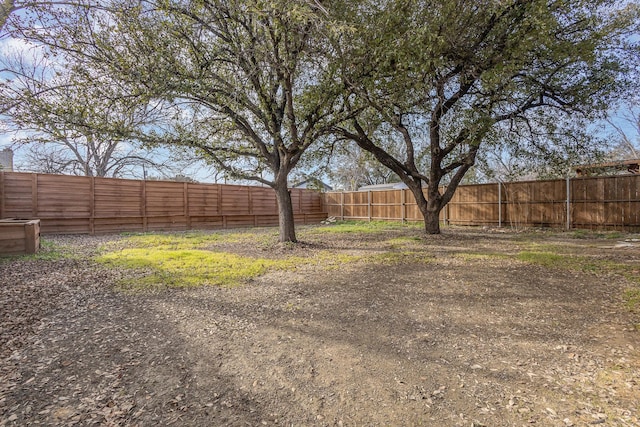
[[600, 202], [71, 204]]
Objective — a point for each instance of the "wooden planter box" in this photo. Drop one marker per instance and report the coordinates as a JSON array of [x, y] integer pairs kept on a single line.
[[19, 236]]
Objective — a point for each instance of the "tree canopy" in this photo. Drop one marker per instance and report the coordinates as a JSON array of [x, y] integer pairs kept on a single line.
[[448, 78], [424, 86], [73, 120], [240, 82]]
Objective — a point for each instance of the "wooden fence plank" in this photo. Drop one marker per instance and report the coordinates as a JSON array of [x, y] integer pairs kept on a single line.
[[17, 195], [92, 207], [600, 202], [70, 204], [34, 195], [2, 214]]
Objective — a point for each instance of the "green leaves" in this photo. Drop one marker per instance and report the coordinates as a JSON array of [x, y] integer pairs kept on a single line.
[[424, 86], [449, 77]]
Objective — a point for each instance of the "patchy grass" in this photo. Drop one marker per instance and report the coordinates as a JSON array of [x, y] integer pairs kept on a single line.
[[186, 259], [227, 258], [362, 227], [391, 258], [632, 299], [199, 258], [196, 267], [401, 242], [195, 239], [590, 234], [48, 251], [558, 248], [484, 256], [189, 267], [546, 259], [330, 260], [580, 263]]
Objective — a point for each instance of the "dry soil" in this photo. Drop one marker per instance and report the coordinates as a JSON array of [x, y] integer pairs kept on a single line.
[[453, 331]]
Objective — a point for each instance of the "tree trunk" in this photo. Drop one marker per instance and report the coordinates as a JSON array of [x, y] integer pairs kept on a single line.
[[432, 220], [432, 212], [285, 214], [429, 207]]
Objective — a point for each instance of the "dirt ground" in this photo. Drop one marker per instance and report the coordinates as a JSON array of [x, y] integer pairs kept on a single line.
[[459, 333]]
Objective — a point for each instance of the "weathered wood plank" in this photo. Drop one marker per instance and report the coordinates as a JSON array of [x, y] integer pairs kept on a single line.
[[69, 204]]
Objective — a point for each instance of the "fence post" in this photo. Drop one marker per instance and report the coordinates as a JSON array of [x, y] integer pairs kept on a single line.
[[369, 205], [568, 203], [251, 207], [92, 207], [443, 211], [219, 199], [2, 195], [34, 196], [143, 205], [342, 206], [500, 204], [185, 201], [402, 205]]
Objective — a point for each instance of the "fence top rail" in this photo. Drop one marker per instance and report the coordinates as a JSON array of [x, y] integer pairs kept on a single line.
[[161, 181], [502, 183]]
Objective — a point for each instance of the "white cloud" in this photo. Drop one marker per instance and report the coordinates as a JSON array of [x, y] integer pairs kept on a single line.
[[10, 46]]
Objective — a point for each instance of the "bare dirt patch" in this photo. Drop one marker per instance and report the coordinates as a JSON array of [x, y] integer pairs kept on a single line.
[[449, 330]]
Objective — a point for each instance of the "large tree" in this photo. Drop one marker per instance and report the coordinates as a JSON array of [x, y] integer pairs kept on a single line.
[[449, 77], [73, 120], [242, 82]]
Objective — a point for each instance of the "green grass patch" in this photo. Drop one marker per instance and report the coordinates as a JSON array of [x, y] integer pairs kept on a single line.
[[484, 256], [400, 242], [579, 234], [614, 235], [199, 258], [547, 259], [362, 227], [400, 257], [330, 260], [548, 247], [50, 251], [189, 267], [571, 262], [589, 234], [580, 263], [632, 299], [189, 240]]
